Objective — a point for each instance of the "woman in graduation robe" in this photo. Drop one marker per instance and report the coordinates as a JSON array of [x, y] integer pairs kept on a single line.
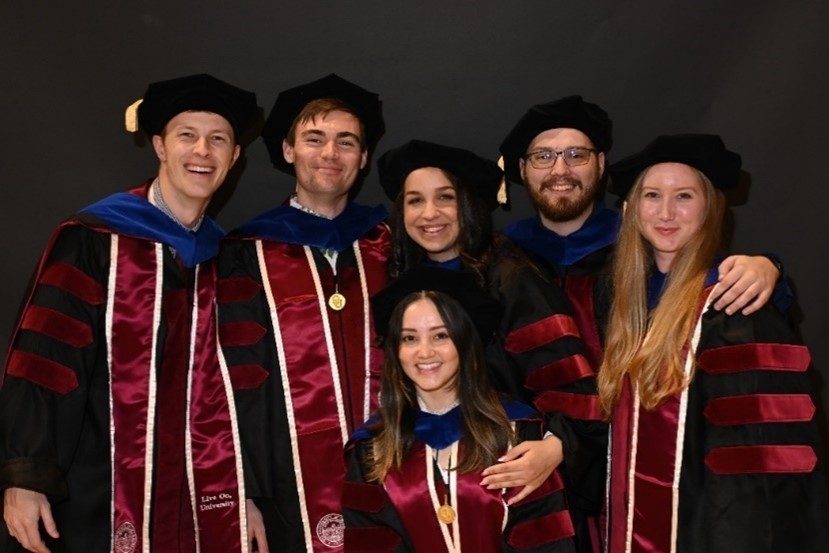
[[441, 218], [714, 445], [414, 471]]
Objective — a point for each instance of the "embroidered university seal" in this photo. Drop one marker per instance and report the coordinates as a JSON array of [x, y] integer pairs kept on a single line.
[[330, 530], [125, 538]]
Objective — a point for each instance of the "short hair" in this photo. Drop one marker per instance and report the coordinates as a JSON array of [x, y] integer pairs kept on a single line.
[[320, 108]]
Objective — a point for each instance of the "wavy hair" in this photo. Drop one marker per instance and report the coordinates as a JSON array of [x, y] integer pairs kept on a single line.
[[486, 429], [655, 364]]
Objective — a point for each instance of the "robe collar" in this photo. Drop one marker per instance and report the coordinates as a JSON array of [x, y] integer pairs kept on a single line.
[[453, 264], [293, 226], [131, 214], [440, 431], [599, 231]]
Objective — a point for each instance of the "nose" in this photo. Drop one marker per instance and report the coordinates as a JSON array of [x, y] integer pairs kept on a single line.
[[425, 349], [559, 166], [430, 210], [329, 150], [666, 210], [201, 147]]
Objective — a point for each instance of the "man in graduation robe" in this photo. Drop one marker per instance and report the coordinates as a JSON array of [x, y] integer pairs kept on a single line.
[[572, 238], [294, 289], [115, 415]]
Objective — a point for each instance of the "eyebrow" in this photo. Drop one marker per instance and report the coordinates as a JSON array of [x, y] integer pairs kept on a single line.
[[441, 189], [317, 132], [404, 329]]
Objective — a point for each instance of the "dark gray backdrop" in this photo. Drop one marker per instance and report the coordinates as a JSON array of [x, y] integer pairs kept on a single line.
[[454, 72]]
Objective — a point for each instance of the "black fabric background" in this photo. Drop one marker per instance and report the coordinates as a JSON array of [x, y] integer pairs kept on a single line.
[[458, 72]]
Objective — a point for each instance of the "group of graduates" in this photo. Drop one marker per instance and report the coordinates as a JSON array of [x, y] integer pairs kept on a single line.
[[336, 377]]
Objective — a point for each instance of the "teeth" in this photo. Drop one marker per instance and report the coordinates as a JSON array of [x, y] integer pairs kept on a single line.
[[199, 169], [433, 229], [428, 366]]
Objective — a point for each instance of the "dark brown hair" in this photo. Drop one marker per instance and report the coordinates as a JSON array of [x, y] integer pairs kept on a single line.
[[486, 431], [320, 108]]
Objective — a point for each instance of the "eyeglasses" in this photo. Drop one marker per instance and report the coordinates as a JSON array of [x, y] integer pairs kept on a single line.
[[573, 157]]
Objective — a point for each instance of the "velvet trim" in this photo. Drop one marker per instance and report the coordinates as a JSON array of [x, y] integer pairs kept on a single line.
[[541, 332], [760, 408], [564, 371], [234, 289], [41, 371], [290, 225], [751, 357], [360, 496], [576, 406], [761, 459], [55, 324], [598, 231], [131, 214], [579, 290], [241, 333], [551, 485], [536, 532], [247, 377], [72, 280], [373, 539]]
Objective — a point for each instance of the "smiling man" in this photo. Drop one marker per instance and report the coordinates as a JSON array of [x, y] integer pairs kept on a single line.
[[116, 428], [293, 298], [558, 152]]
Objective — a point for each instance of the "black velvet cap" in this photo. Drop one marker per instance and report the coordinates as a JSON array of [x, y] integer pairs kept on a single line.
[[474, 173], [570, 112], [290, 103], [705, 152], [166, 99], [482, 308]]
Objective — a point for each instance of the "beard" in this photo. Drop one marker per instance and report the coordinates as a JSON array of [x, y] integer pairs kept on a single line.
[[562, 209]]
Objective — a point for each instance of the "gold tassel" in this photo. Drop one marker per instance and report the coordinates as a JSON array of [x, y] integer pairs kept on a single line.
[[131, 116], [502, 189]]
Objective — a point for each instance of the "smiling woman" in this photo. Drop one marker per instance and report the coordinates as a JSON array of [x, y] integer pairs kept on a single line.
[[443, 198], [709, 411], [414, 470]]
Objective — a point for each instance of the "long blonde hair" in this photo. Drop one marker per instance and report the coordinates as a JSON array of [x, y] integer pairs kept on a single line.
[[656, 365]]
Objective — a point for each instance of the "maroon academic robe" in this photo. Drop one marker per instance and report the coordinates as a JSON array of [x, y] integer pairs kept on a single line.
[[305, 374]]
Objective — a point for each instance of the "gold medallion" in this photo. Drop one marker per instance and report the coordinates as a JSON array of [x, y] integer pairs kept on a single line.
[[336, 301], [446, 514]]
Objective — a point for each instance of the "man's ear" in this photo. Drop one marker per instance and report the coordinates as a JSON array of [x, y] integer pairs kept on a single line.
[[236, 152], [287, 151], [363, 159], [521, 167], [600, 157], [158, 146]]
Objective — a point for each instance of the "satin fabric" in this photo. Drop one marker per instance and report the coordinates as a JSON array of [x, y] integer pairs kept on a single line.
[[219, 503], [481, 512], [309, 367], [133, 329]]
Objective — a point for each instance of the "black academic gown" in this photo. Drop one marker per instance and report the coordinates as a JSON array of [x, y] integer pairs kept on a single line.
[[56, 413], [305, 375], [740, 445], [399, 516]]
